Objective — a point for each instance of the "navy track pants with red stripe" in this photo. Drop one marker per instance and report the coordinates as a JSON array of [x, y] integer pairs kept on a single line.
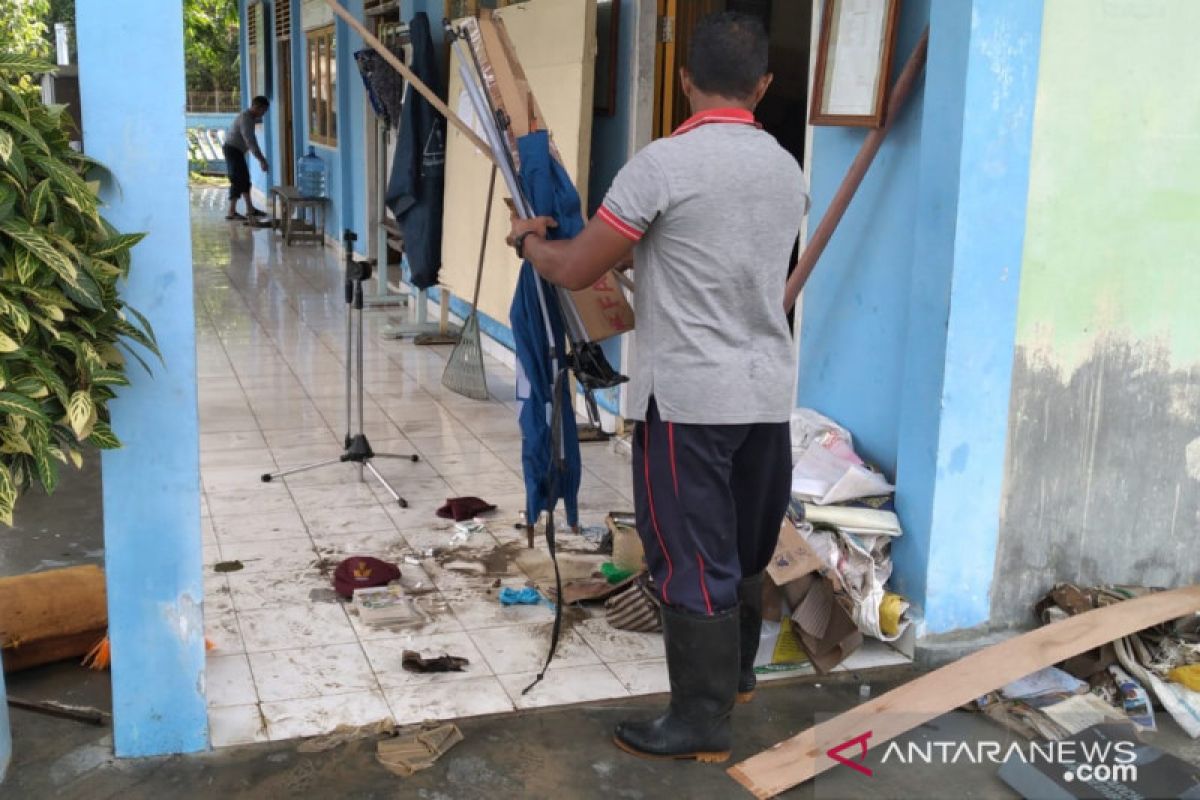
[[709, 501]]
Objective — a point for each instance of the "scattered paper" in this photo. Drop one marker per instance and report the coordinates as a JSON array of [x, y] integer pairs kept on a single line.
[[1050, 680], [1081, 712], [418, 749], [827, 477]]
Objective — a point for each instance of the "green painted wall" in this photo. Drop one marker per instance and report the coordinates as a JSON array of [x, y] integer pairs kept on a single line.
[[1102, 476], [1113, 232]]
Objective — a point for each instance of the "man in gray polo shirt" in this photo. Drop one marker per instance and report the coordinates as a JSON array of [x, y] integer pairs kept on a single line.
[[711, 214]]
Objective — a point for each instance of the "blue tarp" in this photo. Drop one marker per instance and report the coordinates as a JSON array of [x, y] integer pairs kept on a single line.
[[550, 192]]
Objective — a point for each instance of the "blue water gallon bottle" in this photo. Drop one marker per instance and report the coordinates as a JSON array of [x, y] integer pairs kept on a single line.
[[310, 174]]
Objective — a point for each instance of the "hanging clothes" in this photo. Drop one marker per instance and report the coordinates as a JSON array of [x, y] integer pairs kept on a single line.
[[417, 182], [384, 85], [549, 190]]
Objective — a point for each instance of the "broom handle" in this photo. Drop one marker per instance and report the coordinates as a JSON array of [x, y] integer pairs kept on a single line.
[[409, 76], [856, 173], [487, 223]]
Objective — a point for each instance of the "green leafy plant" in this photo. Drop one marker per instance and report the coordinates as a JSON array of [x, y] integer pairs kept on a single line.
[[64, 330]]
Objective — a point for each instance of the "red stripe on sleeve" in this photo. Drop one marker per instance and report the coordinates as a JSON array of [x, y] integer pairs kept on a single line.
[[619, 225]]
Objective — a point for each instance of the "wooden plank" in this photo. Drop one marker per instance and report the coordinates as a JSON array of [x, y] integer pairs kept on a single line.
[[795, 760]]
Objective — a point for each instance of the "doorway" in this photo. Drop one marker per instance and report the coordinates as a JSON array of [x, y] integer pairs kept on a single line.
[[783, 112], [283, 93], [287, 138]]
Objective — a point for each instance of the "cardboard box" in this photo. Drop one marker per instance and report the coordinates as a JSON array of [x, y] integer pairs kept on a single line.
[[603, 309]]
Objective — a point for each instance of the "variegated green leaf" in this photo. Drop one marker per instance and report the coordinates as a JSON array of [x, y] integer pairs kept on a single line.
[[27, 131], [22, 64], [76, 457], [20, 317], [117, 245], [28, 386], [29, 238], [50, 377], [8, 495], [81, 413], [109, 377], [6, 146], [8, 344], [47, 470], [13, 101], [83, 290], [38, 201], [26, 264], [91, 358], [13, 442], [12, 403], [103, 436], [18, 168]]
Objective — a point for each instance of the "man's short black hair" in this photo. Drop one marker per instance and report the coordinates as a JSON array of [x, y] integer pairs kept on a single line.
[[728, 54], [260, 102]]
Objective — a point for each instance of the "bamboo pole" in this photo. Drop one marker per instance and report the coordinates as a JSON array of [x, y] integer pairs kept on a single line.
[[854, 176], [409, 76]]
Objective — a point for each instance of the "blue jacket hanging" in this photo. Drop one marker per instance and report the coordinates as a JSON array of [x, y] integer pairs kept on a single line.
[[417, 182], [550, 192]]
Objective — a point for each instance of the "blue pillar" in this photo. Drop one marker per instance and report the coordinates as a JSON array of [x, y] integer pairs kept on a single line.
[[133, 121], [977, 129]]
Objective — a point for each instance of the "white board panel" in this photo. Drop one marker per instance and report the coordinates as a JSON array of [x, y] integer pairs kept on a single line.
[[555, 41]]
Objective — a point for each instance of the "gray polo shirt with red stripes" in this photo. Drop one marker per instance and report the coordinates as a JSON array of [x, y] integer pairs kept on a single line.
[[715, 210]]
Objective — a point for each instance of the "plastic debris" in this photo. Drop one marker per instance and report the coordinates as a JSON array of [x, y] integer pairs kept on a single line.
[[527, 596]]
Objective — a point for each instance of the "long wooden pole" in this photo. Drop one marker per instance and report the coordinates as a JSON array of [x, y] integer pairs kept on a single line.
[[409, 76], [856, 173]]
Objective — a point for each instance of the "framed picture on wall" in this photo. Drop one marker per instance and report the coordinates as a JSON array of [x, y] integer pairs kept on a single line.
[[854, 58]]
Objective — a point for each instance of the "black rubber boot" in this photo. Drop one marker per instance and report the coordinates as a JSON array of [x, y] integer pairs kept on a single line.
[[702, 661], [750, 593]]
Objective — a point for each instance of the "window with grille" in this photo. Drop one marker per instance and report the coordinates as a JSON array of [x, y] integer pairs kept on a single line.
[[253, 47], [283, 20], [322, 86]]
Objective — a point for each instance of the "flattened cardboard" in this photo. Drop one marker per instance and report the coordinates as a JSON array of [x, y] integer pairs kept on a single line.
[[603, 309], [826, 630], [793, 558]]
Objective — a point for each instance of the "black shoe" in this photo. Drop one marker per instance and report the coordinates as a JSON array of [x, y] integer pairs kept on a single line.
[[702, 661], [750, 594], [254, 212]]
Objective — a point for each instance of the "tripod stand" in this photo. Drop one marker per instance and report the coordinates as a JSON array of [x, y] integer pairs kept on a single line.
[[356, 448]]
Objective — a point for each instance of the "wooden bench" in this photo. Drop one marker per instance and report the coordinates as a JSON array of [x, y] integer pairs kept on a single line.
[[303, 218]]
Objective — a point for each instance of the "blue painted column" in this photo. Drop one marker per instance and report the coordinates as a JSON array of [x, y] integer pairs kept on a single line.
[[133, 121], [976, 139]]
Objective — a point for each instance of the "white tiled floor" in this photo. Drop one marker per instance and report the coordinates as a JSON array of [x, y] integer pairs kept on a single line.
[[290, 660]]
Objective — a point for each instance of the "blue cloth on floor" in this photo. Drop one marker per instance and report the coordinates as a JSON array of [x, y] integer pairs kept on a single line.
[[519, 597], [551, 194]]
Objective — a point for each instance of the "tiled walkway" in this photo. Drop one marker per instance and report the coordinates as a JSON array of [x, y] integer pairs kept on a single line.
[[290, 660]]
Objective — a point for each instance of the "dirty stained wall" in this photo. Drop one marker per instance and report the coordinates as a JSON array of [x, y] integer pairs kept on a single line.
[[1103, 465]]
